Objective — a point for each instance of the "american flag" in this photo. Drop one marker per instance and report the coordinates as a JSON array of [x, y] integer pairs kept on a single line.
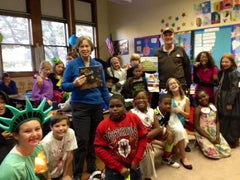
[[109, 44]]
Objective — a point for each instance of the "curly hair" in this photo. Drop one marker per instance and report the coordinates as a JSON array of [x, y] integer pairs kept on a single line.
[[210, 63]]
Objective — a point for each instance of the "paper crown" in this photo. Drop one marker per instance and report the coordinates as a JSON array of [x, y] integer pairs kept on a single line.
[[20, 117], [55, 60]]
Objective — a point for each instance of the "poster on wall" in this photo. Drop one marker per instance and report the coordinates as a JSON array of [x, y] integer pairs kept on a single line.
[[152, 78], [236, 44], [183, 39], [146, 46], [216, 40], [121, 47]]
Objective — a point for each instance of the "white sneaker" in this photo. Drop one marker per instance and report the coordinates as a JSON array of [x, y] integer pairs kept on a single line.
[[170, 162]]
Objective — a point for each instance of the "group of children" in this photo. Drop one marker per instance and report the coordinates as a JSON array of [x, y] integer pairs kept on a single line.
[[127, 142], [33, 157], [130, 79]]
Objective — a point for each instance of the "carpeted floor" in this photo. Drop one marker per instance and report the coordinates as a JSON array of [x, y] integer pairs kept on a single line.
[[203, 168]]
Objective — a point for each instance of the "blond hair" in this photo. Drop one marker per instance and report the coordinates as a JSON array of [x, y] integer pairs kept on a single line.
[[135, 57], [45, 64]]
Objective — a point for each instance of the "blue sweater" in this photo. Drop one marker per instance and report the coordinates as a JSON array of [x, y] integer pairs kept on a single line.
[[87, 96], [12, 89]]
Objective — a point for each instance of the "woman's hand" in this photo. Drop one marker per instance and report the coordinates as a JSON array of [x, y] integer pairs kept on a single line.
[[78, 82]]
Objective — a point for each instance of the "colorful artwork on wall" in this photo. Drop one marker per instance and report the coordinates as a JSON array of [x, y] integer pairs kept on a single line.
[[146, 46]]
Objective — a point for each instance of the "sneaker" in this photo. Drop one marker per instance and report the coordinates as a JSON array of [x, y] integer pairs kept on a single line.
[[170, 162]]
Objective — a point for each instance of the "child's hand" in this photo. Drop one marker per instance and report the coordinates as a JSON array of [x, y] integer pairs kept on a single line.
[[196, 64], [79, 81], [40, 81], [229, 107], [134, 166], [67, 178], [176, 110], [118, 85], [149, 147], [7, 135], [125, 172], [49, 102]]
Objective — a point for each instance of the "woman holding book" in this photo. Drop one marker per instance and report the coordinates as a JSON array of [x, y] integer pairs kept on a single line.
[[87, 104]]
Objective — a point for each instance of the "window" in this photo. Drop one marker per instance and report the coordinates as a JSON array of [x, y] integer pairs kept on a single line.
[[86, 30], [54, 40], [16, 45]]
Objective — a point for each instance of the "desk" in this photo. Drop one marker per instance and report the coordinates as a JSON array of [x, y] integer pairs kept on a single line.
[[19, 100]]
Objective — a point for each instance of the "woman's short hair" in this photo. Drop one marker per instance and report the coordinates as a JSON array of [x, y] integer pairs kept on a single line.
[[87, 38]]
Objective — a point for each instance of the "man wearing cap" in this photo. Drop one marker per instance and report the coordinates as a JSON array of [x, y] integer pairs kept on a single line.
[[172, 61]]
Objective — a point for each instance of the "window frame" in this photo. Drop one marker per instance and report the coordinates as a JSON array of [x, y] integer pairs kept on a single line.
[[53, 19], [19, 15]]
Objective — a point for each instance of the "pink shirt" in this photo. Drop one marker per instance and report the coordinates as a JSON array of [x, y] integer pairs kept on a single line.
[[207, 76]]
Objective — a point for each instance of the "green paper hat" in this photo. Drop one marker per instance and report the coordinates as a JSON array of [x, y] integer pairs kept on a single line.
[[20, 117], [55, 60]]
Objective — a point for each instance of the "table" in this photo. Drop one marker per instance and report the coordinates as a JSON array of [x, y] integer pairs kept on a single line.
[[19, 100]]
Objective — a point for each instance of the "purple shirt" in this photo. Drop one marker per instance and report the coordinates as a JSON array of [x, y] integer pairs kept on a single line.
[[45, 91]]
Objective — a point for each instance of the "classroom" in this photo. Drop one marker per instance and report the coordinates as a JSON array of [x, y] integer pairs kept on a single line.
[[49, 29]]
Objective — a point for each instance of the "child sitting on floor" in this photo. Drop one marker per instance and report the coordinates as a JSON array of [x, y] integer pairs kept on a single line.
[[163, 113], [207, 133], [59, 145], [150, 121]]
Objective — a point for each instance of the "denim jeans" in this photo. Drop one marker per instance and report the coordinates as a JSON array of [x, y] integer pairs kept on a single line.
[[115, 175]]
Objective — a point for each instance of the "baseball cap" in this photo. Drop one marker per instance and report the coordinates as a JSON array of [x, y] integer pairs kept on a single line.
[[168, 30]]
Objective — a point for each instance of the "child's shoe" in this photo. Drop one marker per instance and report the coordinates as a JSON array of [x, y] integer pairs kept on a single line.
[[170, 162]]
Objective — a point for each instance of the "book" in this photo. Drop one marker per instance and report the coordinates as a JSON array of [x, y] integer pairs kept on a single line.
[[93, 75]]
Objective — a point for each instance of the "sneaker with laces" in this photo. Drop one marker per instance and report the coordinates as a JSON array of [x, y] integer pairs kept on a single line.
[[170, 162]]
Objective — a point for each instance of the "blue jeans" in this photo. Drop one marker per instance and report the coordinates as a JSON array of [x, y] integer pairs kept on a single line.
[[115, 175]]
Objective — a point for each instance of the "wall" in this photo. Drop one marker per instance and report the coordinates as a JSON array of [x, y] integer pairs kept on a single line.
[[24, 83], [103, 27], [143, 18]]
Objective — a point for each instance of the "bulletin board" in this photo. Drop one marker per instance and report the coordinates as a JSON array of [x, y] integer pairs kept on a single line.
[[184, 39], [217, 40], [146, 46]]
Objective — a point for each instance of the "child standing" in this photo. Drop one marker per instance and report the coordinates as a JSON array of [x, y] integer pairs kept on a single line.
[[150, 121], [207, 133], [228, 100], [27, 160], [120, 141], [135, 83], [59, 145], [180, 111], [205, 73], [134, 60], [116, 71], [163, 114], [46, 91]]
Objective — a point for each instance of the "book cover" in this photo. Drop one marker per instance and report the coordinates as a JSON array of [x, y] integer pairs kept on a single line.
[[93, 75]]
